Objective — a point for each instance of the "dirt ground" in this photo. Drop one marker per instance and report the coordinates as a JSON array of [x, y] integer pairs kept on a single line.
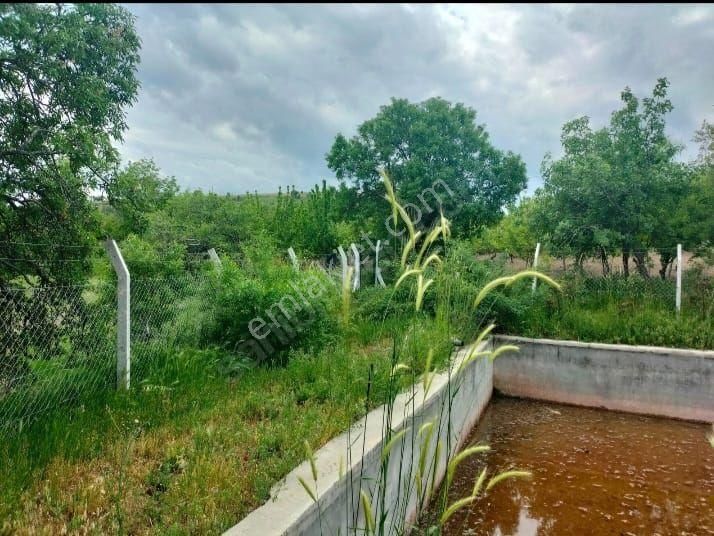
[[594, 266]]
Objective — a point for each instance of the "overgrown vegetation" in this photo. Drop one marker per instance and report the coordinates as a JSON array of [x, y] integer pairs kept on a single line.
[[618, 310], [217, 413], [196, 445]]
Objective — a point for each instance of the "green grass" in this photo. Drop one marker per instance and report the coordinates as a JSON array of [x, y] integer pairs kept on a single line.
[[192, 450], [200, 441], [614, 323], [616, 311], [593, 309]]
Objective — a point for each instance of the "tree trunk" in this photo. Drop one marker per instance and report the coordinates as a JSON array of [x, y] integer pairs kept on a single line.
[[640, 263], [626, 261], [665, 261], [605, 262], [663, 270]]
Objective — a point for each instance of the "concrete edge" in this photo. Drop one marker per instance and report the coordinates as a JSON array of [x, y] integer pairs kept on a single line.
[[707, 354], [654, 381], [290, 510]]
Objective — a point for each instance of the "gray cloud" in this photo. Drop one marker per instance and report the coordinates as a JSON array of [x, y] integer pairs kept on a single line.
[[238, 98]]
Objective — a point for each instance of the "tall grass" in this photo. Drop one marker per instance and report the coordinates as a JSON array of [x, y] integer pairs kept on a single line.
[[192, 449], [422, 259], [619, 310]]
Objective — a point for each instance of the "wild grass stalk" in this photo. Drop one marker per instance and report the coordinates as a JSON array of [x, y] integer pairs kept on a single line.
[[421, 260]]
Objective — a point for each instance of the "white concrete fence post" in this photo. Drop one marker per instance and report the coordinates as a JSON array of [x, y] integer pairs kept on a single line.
[[355, 255], [123, 314], [535, 266], [377, 272], [293, 259], [343, 262], [678, 294], [215, 259]]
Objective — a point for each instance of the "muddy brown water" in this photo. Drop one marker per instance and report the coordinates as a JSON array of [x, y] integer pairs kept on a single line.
[[594, 472]]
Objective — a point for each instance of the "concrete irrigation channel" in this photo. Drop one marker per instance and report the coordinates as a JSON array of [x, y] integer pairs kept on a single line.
[[661, 382]]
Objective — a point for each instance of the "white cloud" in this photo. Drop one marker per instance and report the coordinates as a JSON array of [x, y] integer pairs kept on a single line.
[[224, 132], [694, 15], [238, 98]]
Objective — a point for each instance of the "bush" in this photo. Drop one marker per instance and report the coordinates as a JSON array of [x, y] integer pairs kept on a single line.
[[264, 315], [376, 303], [698, 292], [462, 278]]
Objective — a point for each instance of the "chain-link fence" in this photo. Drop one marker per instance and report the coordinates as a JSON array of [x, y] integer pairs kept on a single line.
[[649, 273], [58, 344], [650, 278], [659, 300], [167, 314], [637, 288], [378, 261]]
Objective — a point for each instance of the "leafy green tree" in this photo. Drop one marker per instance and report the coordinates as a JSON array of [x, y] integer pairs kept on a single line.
[[571, 234], [567, 214], [610, 186], [514, 234], [202, 220], [67, 74], [705, 138], [135, 192], [435, 154], [695, 217]]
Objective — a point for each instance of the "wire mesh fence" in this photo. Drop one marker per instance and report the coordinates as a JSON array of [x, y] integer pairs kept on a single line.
[[167, 314], [372, 261], [649, 273], [58, 343], [600, 302], [650, 279]]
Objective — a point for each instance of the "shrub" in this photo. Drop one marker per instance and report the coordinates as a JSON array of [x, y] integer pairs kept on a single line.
[[461, 280], [375, 303], [264, 315], [698, 291]]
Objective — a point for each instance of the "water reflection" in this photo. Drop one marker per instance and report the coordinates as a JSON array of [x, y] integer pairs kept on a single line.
[[595, 472]]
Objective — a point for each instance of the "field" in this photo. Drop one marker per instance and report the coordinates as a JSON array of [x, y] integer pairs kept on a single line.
[[594, 267]]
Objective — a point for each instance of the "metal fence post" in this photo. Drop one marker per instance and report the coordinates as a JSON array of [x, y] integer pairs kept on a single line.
[[377, 272], [123, 315], [355, 254], [535, 265], [678, 294]]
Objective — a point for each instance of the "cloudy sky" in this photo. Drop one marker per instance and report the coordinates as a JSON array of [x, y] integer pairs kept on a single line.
[[238, 98]]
